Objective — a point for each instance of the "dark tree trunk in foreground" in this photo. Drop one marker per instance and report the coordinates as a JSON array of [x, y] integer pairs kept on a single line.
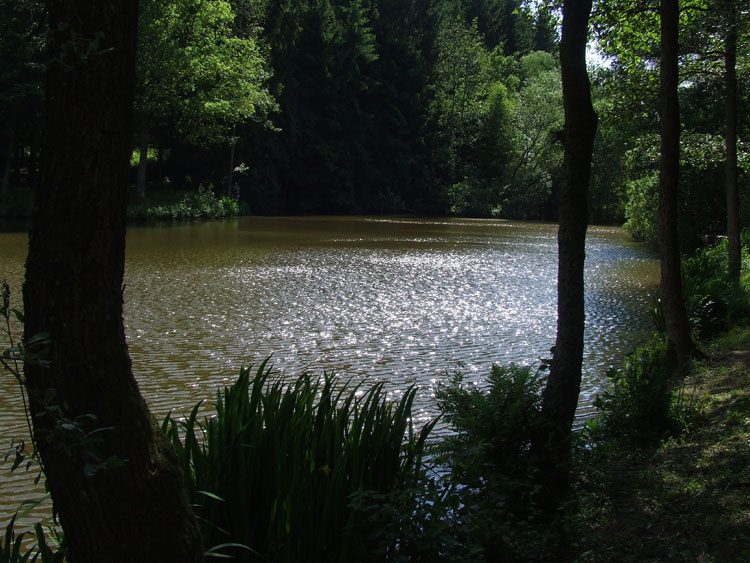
[[114, 484], [733, 190], [560, 397], [678, 329]]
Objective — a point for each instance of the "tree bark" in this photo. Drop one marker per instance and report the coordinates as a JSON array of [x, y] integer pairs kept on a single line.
[[140, 182], [230, 172], [732, 179], [678, 329], [5, 180], [114, 482], [560, 397], [33, 159]]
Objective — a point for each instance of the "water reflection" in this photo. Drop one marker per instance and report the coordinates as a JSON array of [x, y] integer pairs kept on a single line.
[[393, 300]]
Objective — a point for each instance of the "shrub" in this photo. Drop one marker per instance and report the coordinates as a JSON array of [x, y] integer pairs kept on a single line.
[[646, 402], [201, 204], [640, 209], [491, 474], [14, 548], [493, 426], [636, 408], [279, 465], [712, 302]]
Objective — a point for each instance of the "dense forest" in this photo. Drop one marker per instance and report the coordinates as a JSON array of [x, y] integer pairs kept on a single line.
[[379, 106]]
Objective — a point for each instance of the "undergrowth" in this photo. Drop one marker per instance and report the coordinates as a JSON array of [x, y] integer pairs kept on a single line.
[[288, 469], [194, 205]]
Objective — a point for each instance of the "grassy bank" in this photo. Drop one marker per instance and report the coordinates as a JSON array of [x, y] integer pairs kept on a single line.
[[687, 499]]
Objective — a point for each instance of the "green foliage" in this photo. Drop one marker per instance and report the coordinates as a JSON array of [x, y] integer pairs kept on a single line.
[[473, 198], [21, 64], [494, 425], [712, 301], [14, 547], [196, 205], [491, 481], [645, 403], [536, 160], [641, 207], [194, 74], [460, 94], [277, 467]]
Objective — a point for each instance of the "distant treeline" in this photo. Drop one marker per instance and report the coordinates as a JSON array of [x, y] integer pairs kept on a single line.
[[390, 106]]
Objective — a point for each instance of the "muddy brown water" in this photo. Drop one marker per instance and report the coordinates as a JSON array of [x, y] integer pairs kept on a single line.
[[394, 300]]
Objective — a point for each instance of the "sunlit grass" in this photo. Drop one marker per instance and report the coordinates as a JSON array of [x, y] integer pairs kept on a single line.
[[685, 500]]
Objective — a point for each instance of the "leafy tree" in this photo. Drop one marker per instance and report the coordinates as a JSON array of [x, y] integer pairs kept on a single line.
[[508, 24], [535, 166], [323, 54], [405, 34], [709, 56], [195, 76], [461, 90], [21, 71], [115, 483], [628, 32], [387, 105]]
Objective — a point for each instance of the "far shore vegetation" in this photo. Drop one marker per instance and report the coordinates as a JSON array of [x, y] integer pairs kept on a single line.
[[164, 203]]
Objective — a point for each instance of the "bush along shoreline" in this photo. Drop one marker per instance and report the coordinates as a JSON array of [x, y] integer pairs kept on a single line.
[[203, 204], [315, 470]]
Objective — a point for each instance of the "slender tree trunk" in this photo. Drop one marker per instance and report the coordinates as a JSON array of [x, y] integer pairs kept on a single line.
[[560, 397], [140, 182], [115, 484], [160, 163], [678, 329], [5, 181], [33, 159], [733, 190], [17, 160], [230, 172]]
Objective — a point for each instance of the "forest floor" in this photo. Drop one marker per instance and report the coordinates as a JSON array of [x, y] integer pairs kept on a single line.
[[688, 499]]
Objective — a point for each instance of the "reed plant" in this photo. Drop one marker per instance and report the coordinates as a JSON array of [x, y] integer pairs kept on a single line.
[[278, 466], [15, 548]]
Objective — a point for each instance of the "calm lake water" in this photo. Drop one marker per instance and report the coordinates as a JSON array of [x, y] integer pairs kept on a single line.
[[400, 301]]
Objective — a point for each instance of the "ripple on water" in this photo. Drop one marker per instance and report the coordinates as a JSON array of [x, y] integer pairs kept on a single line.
[[396, 301]]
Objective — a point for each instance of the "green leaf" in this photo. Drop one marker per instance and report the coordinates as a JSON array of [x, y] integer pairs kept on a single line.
[[213, 552], [210, 495]]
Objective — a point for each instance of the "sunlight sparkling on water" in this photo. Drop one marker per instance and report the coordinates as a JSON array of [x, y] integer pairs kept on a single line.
[[400, 301]]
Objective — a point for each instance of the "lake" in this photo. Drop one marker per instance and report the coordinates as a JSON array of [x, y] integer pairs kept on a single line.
[[394, 300]]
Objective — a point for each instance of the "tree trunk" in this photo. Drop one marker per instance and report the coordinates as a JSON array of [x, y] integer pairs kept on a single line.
[[560, 397], [115, 484], [5, 181], [33, 159], [140, 182], [733, 191], [230, 172], [678, 329], [160, 163]]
